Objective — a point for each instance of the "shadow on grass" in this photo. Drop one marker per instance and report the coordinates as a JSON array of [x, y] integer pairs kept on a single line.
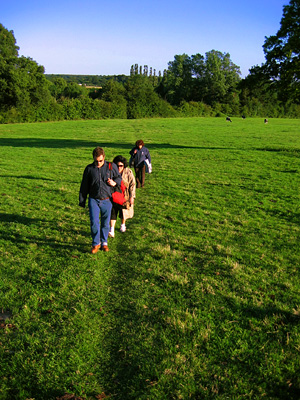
[[285, 151], [12, 236], [279, 149], [287, 215], [30, 177], [276, 336], [68, 143], [18, 219], [78, 143]]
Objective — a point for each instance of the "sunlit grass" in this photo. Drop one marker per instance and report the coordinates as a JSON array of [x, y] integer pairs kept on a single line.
[[199, 299]]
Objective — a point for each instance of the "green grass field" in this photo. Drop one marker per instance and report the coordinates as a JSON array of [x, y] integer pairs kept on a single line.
[[199, 299]]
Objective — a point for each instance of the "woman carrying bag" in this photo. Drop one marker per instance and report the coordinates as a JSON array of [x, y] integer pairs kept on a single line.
[[126, 211]]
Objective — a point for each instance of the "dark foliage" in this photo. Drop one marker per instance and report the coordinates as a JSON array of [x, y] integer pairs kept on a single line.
[[194, 85]]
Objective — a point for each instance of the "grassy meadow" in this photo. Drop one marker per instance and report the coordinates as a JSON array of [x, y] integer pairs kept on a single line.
[[199, 299]]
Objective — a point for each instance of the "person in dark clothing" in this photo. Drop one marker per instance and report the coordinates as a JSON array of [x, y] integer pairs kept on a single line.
[[139, 155], [97, 182]]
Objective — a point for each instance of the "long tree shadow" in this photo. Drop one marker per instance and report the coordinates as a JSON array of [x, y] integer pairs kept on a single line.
[[29, 177], [279, 149], [76, 143]]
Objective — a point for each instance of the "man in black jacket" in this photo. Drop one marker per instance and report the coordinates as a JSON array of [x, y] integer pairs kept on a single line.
[[97, 182]]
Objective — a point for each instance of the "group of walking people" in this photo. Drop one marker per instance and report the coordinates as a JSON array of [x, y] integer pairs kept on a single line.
[[100, 179]]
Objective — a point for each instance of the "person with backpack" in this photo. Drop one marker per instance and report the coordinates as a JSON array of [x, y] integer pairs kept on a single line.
[[139, 156], [97, 183], [124, 211]]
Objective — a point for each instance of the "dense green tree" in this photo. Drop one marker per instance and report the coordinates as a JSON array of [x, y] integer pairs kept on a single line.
[[73, 90], [220, 79], [57, 87], [8, 59], [255, 85], [23, 85], [7, 85], [257, 97], [211, 79], [195, 85], [198, 73], [282, 53], [8, 47], [198, 65], [113, 91], [32, 84], [143, 101], [138, 92], [177, 82]]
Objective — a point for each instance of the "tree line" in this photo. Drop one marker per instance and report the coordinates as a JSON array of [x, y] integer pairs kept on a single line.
[[87, 80], [192, 85]]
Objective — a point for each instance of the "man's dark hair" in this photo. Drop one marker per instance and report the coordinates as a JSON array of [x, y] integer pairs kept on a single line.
[[98, 151]]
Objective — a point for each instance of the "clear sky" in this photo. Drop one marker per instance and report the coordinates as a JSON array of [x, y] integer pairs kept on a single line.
[[106, 37]]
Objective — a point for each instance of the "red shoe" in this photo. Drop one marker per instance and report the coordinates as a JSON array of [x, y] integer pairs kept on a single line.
[[95, 249], [104, 248]]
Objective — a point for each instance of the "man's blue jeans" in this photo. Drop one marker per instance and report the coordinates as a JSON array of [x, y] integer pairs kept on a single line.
[[97, 208]]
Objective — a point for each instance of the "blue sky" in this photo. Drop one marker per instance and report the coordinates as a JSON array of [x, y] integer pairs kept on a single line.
[[97, 37]]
